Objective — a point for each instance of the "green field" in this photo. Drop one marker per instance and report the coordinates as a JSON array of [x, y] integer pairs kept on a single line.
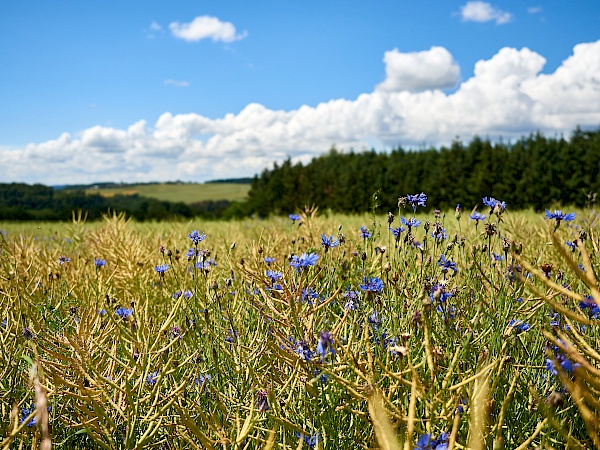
[[312, 333], [187, 193]]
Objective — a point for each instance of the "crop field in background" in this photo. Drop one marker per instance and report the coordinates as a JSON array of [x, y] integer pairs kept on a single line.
[[423, 330], [186, 193]]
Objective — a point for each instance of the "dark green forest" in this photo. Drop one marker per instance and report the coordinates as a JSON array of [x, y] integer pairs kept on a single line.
[[533, 172], [38, 202]]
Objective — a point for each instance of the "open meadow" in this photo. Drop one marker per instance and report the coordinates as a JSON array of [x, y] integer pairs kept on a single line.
[[414, 330], [184, 192]]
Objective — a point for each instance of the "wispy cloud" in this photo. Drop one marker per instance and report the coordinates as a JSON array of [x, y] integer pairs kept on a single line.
[[206, 27], [177, 83], [477, 11], [507, 96], [534, 9], [155, 26]]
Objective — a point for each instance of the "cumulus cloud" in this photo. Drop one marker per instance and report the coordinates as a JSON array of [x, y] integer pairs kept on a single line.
[[507, 96], [177, 83], [484, 12], [206, 27], [419, 71]]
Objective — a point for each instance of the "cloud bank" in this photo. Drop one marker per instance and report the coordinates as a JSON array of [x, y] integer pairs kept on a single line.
[[507, 96]]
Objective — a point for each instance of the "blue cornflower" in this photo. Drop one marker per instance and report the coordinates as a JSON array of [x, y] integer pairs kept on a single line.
[[269, 260], [325, 344], [497, 257], [305, 260], [329, 242], [262, 401], [273, 275], [438, 292], [397, 232], [152, 378], [310, 441], [559, 216], [294, 218], [303, 351], [477, 217], [124, 313], [496, 206], [410, 223], [102, 312], [196, 237], [28, 333], [351, 299], [99, 262], [25, 413], [417, 200], [4, 324], [439, 234], [365, 233], [176, 295], [446, 264], [63, 259], [161, 269], [188, 294], [309, 294], [519, 325], [590, 304], [572, 245], [191, 253], [202, 378], [427, 442], [375, 319], [373, 285]]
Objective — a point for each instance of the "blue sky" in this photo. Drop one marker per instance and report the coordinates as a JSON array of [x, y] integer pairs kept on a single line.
[[195, 90]]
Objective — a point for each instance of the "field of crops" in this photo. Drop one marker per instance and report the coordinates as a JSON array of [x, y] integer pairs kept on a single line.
[[186, 193], [426, 331]]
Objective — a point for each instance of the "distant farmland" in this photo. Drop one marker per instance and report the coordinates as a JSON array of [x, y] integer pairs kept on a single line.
[[187, 193]]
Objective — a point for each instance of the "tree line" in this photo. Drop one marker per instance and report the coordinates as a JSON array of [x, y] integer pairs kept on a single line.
[[533, 172], [38, 202]]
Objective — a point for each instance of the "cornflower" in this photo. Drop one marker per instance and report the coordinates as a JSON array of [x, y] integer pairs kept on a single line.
[[196, 237], [519, 325], [152, 378], [273, 275], [262, 401], [397, 231], [269, 260], [305, 260], [25, 412], [325, 344], [294, 218], [446, 264], [410, 223], [365, 233], [161, 269], [329, 242], [124, 313], [559, 216], [427, 442], [99, 262], [374, 285], [417, 200], [496, 206], [63, 259], [477, 217]]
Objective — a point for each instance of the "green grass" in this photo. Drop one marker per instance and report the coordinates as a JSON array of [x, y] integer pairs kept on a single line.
[[235, 363], [187, 193]]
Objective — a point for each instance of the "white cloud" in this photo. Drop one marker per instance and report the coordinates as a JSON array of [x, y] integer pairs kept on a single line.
[[534, 9], [507, 96], [484, 12], [419, 71], [155, 26], [177, 83], [206, 27]]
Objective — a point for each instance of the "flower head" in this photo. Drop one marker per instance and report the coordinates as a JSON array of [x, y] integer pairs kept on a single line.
[[329, 242], [365, 233], [374, 284], [63, 259], [161, 269], [417, 200], [446, 264], [294, 218], [477, 217], [262, 401], [305, 260], [196, 237], [559, 216], [325, 344], [152, 378], [25, 412], [397, 231], [124, 313], [410, 223], [496, 206], [273, 275], [269, 260], [99, 262]]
